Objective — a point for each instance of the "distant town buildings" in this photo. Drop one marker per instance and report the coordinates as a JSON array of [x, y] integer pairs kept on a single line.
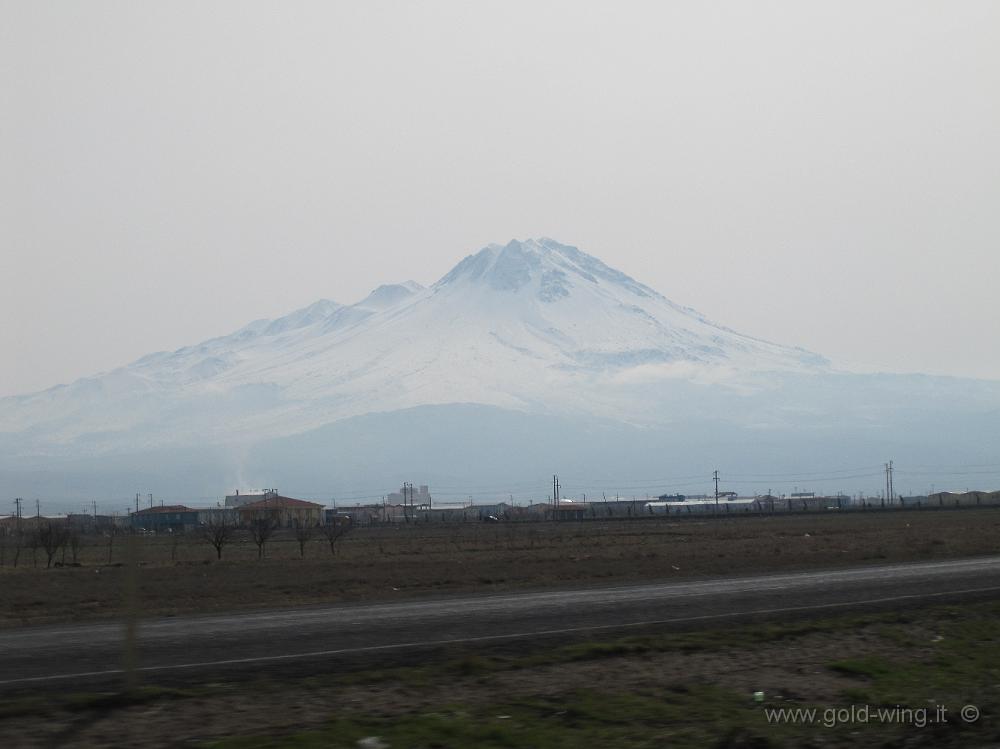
[[411, 495], [242, 510]]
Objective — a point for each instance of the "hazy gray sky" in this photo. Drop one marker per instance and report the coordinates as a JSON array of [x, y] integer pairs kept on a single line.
[[820, 174]]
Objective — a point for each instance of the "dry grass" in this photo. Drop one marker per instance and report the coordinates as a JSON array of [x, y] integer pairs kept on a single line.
[[387, 563]]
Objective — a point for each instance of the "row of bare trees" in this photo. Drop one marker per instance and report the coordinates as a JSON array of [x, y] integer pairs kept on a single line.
[[52, 537], [49, 536], [219, 533]]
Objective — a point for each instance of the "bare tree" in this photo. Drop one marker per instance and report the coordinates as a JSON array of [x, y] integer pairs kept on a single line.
[[18, 543], [175, 541], [33, 540], [303, 532], [512, 534], [218, 533], [9, 537], [335, 530], [262, 528], [74, 544], [51, 537], [71, 542], [113, 531]]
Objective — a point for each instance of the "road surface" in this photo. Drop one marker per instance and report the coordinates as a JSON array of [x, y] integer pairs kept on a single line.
[[316, 639]]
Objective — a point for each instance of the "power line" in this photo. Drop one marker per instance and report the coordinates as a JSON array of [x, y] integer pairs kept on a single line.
[[950, 473], [799, 480], [814, 473]]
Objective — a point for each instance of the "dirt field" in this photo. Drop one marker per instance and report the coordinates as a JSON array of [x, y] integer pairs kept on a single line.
[[387, 563]]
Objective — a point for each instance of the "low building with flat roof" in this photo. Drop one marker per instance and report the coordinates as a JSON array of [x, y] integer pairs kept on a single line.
[[164, 518]]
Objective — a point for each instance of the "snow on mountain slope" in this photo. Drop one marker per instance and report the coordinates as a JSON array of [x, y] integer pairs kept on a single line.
[[534, 326]]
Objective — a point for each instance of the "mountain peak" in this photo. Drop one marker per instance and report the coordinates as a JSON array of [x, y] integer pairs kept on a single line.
[[554, 267]]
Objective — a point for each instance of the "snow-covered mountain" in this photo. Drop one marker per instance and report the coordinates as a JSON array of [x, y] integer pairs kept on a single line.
[[535, 328]]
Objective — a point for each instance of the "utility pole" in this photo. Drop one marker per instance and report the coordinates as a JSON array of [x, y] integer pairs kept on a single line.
[[715, 477], [151, 500], [95, 510], [137, 501], [892, 486], [38, 508]]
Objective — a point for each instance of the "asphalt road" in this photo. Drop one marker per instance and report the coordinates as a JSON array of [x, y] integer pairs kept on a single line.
[[321, 639]]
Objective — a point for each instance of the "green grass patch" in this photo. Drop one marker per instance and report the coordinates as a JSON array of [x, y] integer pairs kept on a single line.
[[955, 662], [701, 717], [94, 701], [868, 668]]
